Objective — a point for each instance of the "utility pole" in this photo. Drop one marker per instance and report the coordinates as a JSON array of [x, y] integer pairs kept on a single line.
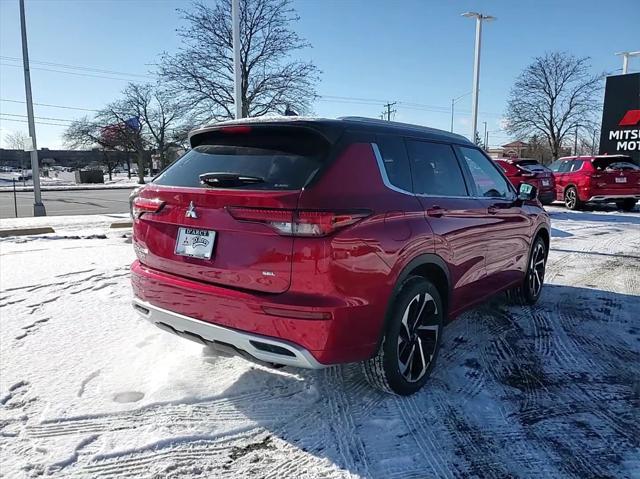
[[38, 207], [625, 60], [575, 143], [485, 135], [389, 110], [237, 70], [476, 68]]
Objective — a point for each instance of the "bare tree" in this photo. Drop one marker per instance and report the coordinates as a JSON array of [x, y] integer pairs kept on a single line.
[[161, 116], [18, 140], [86, 133], [552, 97], [202, 71]]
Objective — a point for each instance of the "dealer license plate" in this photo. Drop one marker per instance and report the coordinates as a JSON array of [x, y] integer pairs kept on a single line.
[[195, 242], [621, 179]]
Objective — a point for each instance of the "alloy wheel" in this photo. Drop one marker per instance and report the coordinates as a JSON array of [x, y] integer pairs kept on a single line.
[[570, 198], [418, 338], [536, 270]]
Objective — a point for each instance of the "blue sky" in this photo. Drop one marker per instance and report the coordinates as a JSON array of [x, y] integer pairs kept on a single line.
[[418, 53]]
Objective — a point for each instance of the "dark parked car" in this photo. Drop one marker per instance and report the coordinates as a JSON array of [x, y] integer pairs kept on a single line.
[[597, 179], [310, 242], [525, 170]]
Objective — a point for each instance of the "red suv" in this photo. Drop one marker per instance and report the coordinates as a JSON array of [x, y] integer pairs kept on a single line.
[[525, 170], [601, 179], [310, 242]]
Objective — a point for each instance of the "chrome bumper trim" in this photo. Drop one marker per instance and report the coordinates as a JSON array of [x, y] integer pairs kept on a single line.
[[197, 330], [614, 197]]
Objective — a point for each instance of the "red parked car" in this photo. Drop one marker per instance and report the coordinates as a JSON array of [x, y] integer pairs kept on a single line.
[[525, 170], [313, 242], [597, 179]]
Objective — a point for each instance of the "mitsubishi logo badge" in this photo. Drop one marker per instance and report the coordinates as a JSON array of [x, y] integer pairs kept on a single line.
[[191, 211]]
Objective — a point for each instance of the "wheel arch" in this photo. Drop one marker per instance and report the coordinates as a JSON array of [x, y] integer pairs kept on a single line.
[[429, 266], [544, 233]]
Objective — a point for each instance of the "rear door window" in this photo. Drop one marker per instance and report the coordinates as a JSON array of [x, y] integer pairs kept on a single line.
[[435, 169], [395, 161], [257, 161]]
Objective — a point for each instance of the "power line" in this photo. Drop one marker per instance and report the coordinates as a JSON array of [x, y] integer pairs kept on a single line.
[[39, 117], [50, 105], [37, 122], [71, 73], [78, 67]]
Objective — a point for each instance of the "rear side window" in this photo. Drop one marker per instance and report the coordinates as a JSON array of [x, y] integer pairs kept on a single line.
[[435, 169], [395, 161], [264, 160]]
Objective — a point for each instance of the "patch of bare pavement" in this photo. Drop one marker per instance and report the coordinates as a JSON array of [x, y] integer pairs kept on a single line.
[[542, 391]]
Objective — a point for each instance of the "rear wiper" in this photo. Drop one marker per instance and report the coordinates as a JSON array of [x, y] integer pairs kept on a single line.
[[227, 180]]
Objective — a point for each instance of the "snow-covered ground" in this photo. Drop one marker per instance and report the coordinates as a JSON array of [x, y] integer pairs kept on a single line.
[[87, 389]]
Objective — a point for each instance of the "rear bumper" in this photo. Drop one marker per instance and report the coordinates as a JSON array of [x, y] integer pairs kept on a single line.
[[327, 341], [547, 196], [259, 347]]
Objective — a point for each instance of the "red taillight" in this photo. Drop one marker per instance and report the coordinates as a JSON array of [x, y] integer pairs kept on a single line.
[[235, 129], [299, 222], [145, 205]]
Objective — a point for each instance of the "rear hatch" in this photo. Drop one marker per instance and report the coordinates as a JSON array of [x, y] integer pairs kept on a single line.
[[536, 174], [616, 173], [220, 213]]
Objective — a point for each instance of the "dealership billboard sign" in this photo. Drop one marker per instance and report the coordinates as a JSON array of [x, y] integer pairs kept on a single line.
[[620, 132]]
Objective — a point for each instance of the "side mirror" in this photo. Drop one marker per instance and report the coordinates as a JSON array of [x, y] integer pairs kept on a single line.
[[527, 192]]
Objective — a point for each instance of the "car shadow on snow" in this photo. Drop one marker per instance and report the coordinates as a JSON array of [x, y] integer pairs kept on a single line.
[[545, 391], [632, 218]]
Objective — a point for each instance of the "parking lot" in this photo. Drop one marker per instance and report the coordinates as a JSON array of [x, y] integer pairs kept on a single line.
[[87, 389]]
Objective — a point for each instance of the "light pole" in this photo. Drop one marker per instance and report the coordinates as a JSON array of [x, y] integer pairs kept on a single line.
[[453, 103], [476, 68], [625, 60], [38, 207], [237, 72]]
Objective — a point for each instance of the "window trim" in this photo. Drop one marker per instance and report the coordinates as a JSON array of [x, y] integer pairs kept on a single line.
[[383, 171], [467, 171]]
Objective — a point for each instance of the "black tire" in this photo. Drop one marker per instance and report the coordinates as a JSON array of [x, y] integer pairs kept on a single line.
[[529, 292], [571, 199], [404, 337], [626, 205]]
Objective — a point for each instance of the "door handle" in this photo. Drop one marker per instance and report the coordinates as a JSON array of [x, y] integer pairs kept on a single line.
[[436, 211], [492, 210]]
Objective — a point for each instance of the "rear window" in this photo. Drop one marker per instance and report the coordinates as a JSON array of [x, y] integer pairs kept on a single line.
[[532, 165], [271, 161], [616, 164]]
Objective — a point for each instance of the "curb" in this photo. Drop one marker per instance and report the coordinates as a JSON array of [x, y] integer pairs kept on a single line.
[[26, 231]]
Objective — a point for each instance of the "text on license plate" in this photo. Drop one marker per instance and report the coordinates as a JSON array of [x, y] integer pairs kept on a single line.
[[195, 242], [621, 179]]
